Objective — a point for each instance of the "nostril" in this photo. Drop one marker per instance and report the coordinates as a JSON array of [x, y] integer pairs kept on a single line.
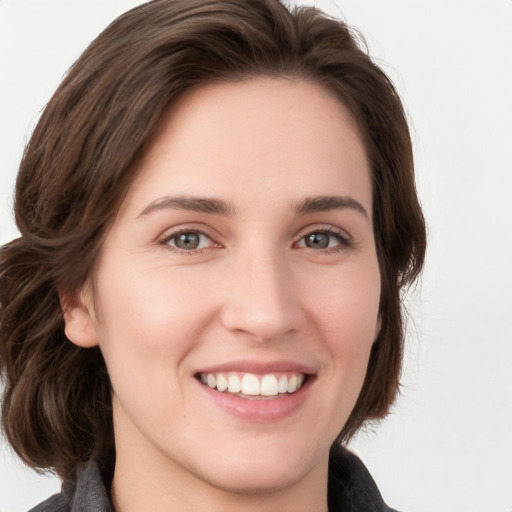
[[258, 324]]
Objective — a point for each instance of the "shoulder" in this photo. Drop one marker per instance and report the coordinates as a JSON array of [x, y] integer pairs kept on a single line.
[[57, 503], [86, 493], [351, 487]]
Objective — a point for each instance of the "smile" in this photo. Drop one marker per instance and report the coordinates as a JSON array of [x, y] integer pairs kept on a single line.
[[250, 385]]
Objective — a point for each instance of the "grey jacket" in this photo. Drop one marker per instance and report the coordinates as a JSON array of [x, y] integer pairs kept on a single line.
[[351, 489]]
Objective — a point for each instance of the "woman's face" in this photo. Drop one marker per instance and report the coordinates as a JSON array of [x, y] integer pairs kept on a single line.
[[236, 295]]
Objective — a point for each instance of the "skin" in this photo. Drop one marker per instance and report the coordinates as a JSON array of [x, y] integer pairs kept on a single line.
[[253, 291]]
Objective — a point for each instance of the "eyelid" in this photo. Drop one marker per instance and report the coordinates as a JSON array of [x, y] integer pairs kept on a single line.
[[171, 233], [345, 239], [324, 228]]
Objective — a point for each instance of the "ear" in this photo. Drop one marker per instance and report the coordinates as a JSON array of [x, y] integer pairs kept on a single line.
[[80, 322]]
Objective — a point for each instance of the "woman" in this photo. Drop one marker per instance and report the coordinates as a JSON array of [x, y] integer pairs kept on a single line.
[[217, 213]]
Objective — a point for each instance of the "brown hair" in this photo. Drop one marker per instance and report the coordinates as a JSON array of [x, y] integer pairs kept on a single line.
[[83, 156]]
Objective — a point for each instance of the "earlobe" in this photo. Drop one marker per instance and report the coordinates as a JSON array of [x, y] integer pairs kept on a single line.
[[80, 327]]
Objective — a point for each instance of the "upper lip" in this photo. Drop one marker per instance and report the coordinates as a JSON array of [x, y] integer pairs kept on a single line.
[[259, 367]]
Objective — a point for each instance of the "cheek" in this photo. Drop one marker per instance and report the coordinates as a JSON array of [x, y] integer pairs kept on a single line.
[[347, 316], [347, 309], [149, 320]]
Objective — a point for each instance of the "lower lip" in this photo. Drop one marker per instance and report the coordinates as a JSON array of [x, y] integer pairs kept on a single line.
[[260, 409]]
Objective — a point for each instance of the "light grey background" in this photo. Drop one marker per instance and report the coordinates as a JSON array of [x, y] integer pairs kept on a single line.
[[447, 447]]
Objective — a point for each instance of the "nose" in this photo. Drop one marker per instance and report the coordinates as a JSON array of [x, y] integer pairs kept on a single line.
[[260, 299]]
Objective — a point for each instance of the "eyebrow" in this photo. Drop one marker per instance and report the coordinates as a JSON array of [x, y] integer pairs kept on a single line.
[[326, 203], [218, 207], [196, 204]]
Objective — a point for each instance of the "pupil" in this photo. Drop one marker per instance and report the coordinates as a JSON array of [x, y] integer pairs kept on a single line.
[[317, 240], [187, 241]]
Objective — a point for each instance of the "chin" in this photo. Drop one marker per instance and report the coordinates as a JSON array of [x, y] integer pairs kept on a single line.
[[262, 470], [258, 480]]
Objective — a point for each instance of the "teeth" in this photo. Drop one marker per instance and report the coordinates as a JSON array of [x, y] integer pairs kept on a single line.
[[282, 386], [292, 384], [253, 385], [269, 385], [234, 384], [211, 380], [222, 383]]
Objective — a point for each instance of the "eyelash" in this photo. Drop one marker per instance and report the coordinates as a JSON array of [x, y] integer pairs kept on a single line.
[[174, 235], [345, 241]]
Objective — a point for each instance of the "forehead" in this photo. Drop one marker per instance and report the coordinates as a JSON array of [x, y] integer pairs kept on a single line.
[[258, 137]]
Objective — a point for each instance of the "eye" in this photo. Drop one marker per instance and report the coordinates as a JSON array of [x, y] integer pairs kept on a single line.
[[324, 239], [188, 240]]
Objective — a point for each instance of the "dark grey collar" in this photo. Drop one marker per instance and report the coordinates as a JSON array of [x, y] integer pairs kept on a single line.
[[351, 489]]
